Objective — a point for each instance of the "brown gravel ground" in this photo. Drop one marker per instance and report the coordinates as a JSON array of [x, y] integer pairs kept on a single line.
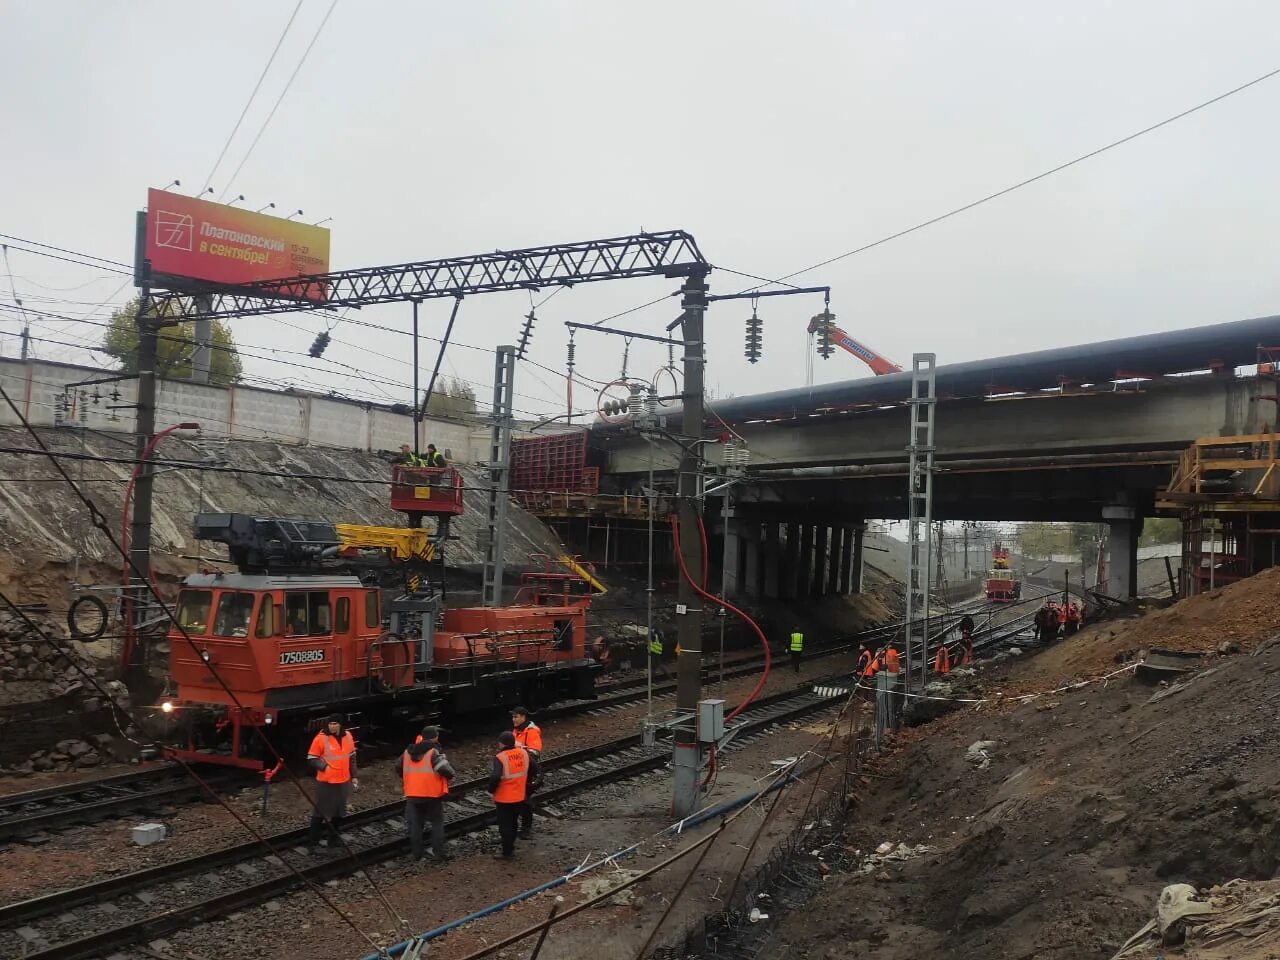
[[1095, 799], [83, 853]]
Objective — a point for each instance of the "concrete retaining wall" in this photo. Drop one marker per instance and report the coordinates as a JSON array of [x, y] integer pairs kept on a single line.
[[38, 387]]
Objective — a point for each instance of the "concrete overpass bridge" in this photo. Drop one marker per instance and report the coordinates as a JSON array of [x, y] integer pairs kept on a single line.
[[1087, 433]]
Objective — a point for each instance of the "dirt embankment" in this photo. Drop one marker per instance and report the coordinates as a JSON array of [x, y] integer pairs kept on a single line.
[[1094, 800]]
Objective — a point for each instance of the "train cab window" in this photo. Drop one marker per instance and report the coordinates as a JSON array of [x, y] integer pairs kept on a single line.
[[234, 611], [563, 635], [295, 614], [268, 615], [318, 616], [372, 612], [193, 610], [342, 615]]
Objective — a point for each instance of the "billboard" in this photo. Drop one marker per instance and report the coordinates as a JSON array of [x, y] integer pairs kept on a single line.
[[194, 244]]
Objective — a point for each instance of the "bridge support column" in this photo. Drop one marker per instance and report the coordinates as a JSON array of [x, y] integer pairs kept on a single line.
[[855, 566], [820, 561], [750, 533], [804, 569], [772, 560], [834, 583], [732, 557], [791, 577], [1122, 551], [846, 559]]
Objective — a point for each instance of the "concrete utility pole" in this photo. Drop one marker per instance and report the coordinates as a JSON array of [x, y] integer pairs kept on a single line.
[[499, 475], [686, 758], [202, 345], [144, 429]]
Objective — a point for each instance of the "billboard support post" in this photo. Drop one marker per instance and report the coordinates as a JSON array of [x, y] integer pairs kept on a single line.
[[202, 341]]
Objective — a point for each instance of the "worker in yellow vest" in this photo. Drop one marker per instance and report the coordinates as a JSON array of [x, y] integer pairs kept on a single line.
[[797, 647]]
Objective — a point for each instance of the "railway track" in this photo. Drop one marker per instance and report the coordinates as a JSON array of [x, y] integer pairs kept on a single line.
[[61, 807], [22, 814], [102, 918]]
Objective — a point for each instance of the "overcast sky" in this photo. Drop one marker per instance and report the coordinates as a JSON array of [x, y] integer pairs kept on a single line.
[[779, 134]]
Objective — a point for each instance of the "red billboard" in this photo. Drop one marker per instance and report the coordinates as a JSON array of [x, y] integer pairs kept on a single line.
[[210, 244]]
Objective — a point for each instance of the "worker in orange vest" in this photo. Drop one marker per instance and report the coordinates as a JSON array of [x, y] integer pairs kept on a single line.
[[514, 768], [1073, 618], [425, 773], [942, 660], [332, 755], [891, 659], [864, 670], [528, 735]]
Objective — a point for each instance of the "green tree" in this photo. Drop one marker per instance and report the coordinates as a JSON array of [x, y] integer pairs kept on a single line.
[[174, 349], [453, 399], [1157, 530]]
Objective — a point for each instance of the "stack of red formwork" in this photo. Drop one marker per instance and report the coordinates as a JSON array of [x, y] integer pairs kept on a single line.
[[554, 463]]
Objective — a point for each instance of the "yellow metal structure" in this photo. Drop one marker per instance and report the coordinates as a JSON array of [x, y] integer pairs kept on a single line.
[[582, 572], [401, 543]]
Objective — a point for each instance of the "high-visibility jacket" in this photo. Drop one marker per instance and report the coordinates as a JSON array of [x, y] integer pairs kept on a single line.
[[1073, 613], [530, 737], [942, 660], [513, 786], [891, 660], [336, 754], [797, 642], [864, 667], [420, 777], [1062, 615], [655, 644]]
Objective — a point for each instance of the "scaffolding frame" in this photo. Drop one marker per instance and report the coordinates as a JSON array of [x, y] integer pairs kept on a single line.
[[921, 451]]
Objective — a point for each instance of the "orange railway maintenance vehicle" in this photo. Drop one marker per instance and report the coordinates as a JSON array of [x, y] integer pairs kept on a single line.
[[1002, 585], [295, 635]]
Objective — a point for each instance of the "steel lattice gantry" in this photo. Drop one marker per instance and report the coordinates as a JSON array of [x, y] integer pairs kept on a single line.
[[670, 253]]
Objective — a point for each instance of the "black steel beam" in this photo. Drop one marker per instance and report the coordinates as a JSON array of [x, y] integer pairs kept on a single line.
[[670, 253]]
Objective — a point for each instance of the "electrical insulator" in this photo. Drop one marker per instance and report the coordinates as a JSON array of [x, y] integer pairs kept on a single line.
[[651, 402], [826, 321], [525, 333], [635, 402], [754, 339], [319, 344]]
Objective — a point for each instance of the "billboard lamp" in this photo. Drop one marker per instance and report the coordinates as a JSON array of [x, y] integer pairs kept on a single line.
[[296, 213], [236, 200], [269, 206]]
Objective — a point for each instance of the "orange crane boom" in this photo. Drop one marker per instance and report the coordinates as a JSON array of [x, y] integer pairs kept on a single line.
[[879, 365]]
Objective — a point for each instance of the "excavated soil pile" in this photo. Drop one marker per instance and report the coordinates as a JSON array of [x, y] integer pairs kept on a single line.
[[1244, 614], [1055, 841]]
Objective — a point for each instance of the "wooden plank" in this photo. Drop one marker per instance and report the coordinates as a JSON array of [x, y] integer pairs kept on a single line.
[[1236, 440]]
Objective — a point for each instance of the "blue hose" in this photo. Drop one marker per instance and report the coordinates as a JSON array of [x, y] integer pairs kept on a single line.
[[676, 828]]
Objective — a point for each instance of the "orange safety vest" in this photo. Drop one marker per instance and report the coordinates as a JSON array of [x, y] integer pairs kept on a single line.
[[1062, 615], [515, 776], [420, 777], [891, 660], [530, 738], [336, 754], [942, 661], [864, 667]]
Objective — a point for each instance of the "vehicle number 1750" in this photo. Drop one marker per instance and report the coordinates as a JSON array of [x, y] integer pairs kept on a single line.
[[301, 656]]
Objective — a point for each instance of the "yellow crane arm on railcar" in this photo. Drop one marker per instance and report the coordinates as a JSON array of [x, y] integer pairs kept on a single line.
[[581, 571], [401, 543]]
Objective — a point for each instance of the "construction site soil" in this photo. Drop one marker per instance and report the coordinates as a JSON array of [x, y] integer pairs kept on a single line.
[[1055, 840]]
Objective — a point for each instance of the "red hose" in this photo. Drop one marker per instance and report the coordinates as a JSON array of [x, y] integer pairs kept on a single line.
[[706, 551], [684, 571]]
